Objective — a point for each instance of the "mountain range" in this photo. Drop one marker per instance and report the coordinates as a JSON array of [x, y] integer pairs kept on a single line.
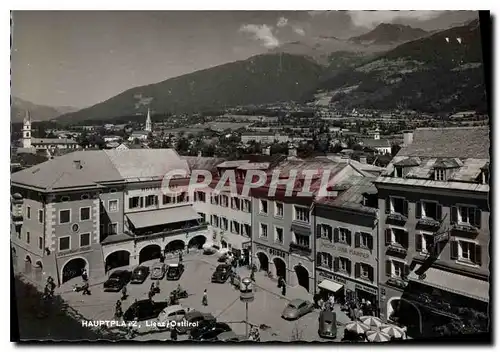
[[389, 67], [38, 112]]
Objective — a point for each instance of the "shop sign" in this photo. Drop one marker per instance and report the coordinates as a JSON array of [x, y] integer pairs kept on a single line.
[[333, 277], [353, 252], [271, 251], [74, 251], [368, 289]]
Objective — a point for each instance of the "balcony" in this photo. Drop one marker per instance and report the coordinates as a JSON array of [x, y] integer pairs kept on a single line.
[[398, 283], [465, 229], [397, 249], [396, 219], [300, 249], [428, 224]]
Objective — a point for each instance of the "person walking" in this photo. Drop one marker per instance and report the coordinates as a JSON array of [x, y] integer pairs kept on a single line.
[[180, 257], [124, 293], [85, 276], [173, 334], [283, 289], [204, 300]]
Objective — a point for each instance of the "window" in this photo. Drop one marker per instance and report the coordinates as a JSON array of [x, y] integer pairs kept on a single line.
[[465, 250], [203, 217], [424, 243], [428, 210], [84, 213], [301, 240], [40, 242], [396, 236], [215, 199], [113, 205], [440, 174], [247, 230], [64, 216], [364, 271], [84, 239], [468, 215], [263, 207], [40, 216], [215, 220], [134, 202], [224, 224], [263, 231], [326, 232], [398, 269], [235, 227], [199, 196], [113, 228], [278, 209], [28, 212], [398, 171], [398, 205], [246, 206], [344, 265], [151, 200], [278, 235], [301, 214], [168, 199], [224, 201], [181, 198], [84, 196], [364, 240], [28, 237], [344, 236], [64, 243], [235, 203], [325, 260]]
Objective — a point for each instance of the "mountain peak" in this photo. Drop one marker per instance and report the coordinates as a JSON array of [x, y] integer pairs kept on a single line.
[[389, 33]]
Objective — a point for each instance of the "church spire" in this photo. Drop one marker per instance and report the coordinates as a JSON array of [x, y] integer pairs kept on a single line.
[[148, 122]]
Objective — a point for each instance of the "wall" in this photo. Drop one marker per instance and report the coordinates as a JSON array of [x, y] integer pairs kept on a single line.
[[107, 217]]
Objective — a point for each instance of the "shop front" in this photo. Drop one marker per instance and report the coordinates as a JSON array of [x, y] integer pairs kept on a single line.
[[345, 289]]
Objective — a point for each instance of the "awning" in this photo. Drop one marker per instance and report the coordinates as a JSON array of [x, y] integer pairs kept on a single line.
[[163, 216], [301, 230], [330, 285], [454, 283]]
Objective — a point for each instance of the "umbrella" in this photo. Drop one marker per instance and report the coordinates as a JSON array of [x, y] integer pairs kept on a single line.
[[371, 321], [357, 327], [377, 336], [392, 330]]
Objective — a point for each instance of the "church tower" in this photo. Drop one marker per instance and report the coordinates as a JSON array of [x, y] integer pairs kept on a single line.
[[148, 123], [27, 130]]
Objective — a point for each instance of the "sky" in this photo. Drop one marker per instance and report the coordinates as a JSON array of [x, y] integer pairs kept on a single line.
[[80, 58]]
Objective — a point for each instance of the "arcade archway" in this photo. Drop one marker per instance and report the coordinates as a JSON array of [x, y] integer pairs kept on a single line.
[[302, 276], [175, 245], [150, 252], [263, 261], [116, 260], [280, 266], [73, 268], [197, 242]]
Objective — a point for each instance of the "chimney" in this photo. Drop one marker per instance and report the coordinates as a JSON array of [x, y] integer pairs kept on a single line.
[[77, 164], [292, 151], [362, 159], [266, 151], [407, 138]]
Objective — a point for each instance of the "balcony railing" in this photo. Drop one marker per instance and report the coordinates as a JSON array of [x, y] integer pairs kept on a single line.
[[300, 249], [168, 232], [397, 248], [427, 223], [396, 282], [396, 218], [465, 228]]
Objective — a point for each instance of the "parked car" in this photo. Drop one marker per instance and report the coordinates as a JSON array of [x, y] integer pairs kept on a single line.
[[116, 280], [210, 248], [211, 335], [205, 326], [327, 328], [158, 271], [170, 314], [175, 271], [221, 273], [297, 308], [192, 318], [224, 255], [230, 336], [144, 310], [139, 274]]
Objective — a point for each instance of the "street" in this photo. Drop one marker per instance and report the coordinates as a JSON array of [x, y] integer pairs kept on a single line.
[[223, 303]]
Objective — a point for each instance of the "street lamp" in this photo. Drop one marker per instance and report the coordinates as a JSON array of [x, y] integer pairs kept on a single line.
[[246, 295]]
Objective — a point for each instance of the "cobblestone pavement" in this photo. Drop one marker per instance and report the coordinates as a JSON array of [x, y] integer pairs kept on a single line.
[[223, 302]]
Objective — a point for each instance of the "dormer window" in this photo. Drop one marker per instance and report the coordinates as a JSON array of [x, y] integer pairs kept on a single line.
[[398, 171], [440, 174]]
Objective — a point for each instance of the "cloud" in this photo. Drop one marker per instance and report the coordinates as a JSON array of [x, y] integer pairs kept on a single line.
[[374, 18], [262, 33], [282, 22], [299, 31]]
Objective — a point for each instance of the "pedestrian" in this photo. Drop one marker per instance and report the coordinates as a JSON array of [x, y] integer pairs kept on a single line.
[[150, 295], [204, 300], [152, 287], [173, 334], [332, 300], [85, 289], [162, 258], [187, 250], [85, 277], [180, 257], [252, 275], [242, 259], [283, 289], [279, 281], [124, 293]]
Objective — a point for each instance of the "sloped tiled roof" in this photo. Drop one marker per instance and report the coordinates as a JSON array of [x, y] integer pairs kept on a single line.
[[453, 142], [203, 163]]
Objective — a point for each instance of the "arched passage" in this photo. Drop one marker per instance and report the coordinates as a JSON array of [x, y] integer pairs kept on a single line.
[[302, 276], [38, 271], [149, 252], [73, 268], [28, 266], [117, 259], [280, 266], [175, 245], [263, 261], [406, 314], [197, 242]]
